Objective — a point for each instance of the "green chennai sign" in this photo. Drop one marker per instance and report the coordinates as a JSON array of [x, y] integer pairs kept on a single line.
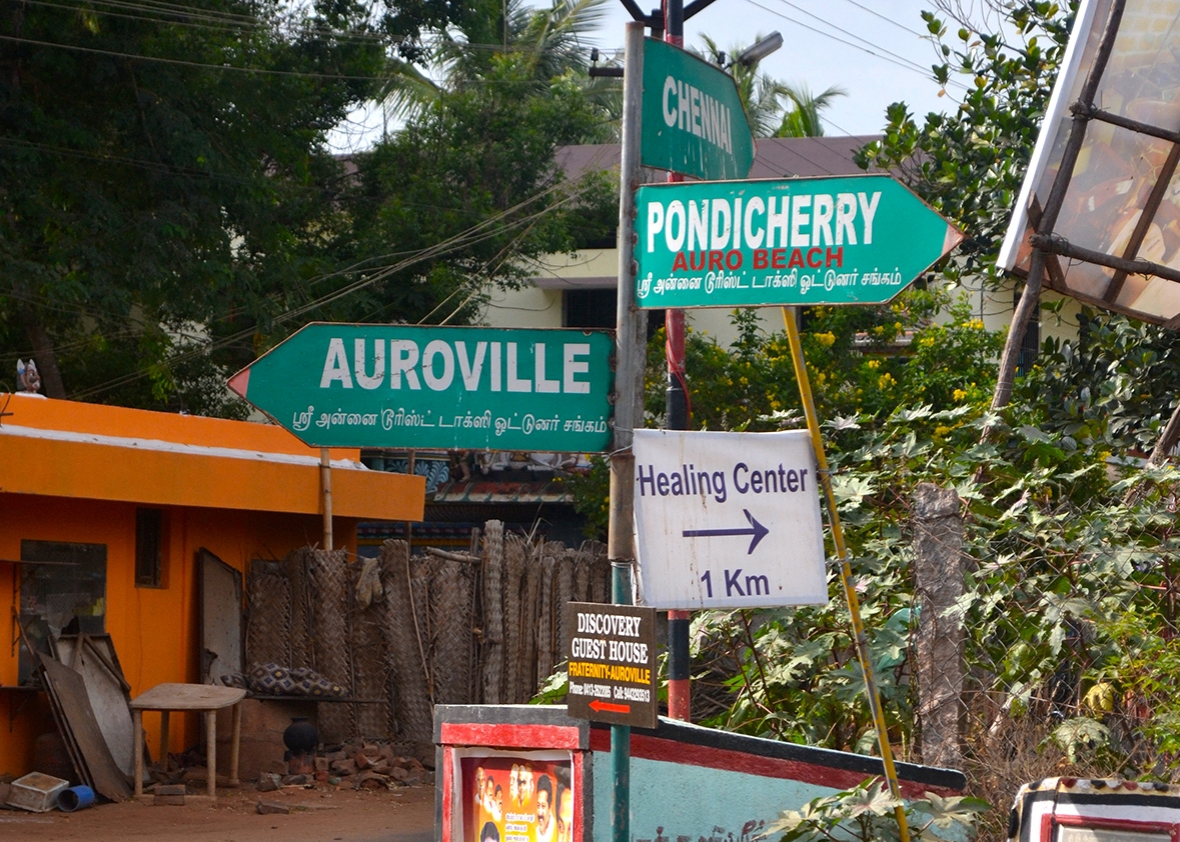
[[693, 122], [470, 388], [806, 241]]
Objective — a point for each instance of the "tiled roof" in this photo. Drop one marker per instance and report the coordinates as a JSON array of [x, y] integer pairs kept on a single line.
[[775, 157]]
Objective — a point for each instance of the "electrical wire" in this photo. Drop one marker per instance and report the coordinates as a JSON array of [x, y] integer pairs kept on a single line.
[[213, 24], [913, 67], [454, 243], [298, 74], [843, 31], [887, 19]]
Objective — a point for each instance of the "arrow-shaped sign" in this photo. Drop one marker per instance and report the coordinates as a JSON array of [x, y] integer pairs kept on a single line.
[[793, 241], [757, 530], [608, 707], [415, 386]]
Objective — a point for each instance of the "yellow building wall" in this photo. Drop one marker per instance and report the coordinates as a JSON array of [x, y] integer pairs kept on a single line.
[[154, 630]]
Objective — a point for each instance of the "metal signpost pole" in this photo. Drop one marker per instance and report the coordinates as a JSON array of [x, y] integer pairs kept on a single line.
[[858, 629], [630, 341], [676, 403]]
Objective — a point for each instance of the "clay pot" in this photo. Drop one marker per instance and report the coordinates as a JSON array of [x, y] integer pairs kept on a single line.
[[301, 737]]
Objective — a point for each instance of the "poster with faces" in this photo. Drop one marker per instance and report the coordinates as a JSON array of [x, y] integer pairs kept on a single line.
[[517, 799]]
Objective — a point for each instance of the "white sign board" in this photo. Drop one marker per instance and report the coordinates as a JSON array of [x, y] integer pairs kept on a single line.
[[727, 520]]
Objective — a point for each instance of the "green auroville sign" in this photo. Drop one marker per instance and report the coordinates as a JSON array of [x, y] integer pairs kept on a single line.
[[693, 121], [467, 388], [791, 242]]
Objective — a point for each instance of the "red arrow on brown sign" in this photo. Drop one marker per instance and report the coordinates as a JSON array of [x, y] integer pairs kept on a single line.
[[599, 707]]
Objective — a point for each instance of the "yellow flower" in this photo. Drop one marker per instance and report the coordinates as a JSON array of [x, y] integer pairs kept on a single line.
[[959, 394], [885, 381], [941, 431], [826, 339], [873, 364]]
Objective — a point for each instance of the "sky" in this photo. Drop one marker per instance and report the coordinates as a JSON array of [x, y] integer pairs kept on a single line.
[[874, 49]]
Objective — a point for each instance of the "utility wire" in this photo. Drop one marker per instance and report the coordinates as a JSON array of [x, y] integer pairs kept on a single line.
[[853, 35], [887, 19], [298, 74], [450, 245], [912, 67], [211, 24], [135, 57]]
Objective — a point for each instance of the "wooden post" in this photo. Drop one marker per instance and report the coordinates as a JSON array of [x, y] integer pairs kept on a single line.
[[790, 319], [326, 495], [938, 582]]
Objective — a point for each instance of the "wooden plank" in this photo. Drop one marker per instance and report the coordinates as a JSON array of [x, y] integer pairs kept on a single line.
[[104, 686], [67, 736], [221, 625], [74, 702], [188, 697]]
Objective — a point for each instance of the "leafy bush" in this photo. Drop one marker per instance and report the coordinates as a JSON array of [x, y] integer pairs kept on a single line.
[[866, 813]]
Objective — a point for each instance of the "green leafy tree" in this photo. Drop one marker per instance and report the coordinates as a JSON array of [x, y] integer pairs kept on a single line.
[[969, 164], [545, 44], [464, 194], [165, 180]]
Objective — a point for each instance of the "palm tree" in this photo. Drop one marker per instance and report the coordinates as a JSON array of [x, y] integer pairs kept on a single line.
[[764, 97], [551, 42], [758, 92], [802, 120]]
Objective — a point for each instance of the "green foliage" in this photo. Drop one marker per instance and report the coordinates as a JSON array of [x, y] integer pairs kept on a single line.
[[866, 813], [774, 108], [553, 689], [168, 220], [801, 119], [1115, 383], [590, 493], [471, 190], [159, 173], [969, 165], [861, 360], [1080, 733]]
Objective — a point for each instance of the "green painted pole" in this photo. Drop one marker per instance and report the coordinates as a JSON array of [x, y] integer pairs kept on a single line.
[[620, 735]]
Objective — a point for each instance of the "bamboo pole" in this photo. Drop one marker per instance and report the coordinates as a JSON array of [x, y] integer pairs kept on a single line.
[[326, 495], [862, 643]]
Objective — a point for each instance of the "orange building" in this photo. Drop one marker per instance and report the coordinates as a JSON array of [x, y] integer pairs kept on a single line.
[[104, 509]]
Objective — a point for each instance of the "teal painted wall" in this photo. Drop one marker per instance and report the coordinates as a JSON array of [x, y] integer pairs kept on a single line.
[[671, 802]]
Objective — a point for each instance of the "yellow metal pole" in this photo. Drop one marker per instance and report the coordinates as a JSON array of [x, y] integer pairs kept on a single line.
[[862, 643]]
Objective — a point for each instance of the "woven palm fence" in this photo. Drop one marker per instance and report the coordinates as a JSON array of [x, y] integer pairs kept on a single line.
[[406, 631]]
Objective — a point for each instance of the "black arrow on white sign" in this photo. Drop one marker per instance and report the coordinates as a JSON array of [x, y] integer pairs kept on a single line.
[[755, 529]]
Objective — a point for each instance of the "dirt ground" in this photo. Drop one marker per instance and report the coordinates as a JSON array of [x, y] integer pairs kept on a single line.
[[402, 815]]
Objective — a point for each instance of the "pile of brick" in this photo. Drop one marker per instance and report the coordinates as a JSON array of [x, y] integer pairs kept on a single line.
[[367, 766]]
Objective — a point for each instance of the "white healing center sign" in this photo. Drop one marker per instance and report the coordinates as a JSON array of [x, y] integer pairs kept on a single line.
[[728, 520]]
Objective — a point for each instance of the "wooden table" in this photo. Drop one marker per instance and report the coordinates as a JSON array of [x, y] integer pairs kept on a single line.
[[181, 697]]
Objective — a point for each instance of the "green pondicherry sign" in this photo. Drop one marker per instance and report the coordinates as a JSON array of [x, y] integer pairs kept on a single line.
[[468, 388], [791, 242], [693, 121]]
